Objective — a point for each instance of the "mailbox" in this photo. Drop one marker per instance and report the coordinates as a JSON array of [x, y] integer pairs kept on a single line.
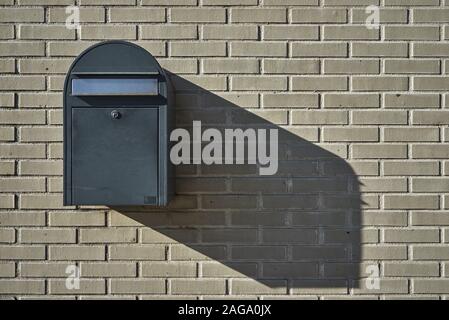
[[118, 113]]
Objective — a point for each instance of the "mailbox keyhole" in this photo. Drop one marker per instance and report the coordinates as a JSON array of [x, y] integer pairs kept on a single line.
[[116, 115]]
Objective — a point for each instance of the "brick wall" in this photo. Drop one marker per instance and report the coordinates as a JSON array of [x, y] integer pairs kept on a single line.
[[363, 176]]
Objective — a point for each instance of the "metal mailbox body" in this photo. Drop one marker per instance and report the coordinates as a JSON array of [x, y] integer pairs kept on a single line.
[[118, 113]]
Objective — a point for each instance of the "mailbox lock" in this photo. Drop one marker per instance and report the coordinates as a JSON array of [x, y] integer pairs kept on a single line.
[[115, 114]]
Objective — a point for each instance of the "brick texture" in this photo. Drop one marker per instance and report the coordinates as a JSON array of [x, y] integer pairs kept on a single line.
[[363, 173]]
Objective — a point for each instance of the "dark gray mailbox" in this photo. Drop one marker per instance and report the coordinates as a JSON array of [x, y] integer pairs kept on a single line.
[[118, 113]]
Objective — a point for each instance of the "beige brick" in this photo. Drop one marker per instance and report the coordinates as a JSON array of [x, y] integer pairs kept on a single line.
[[169, 269], [321, 15], [431, 83], [165, 32], [44, 167], [7, 134], [430, 252], [76, 252], [9, 252], [108, 32], [383, 185], [7, 66], [195, 49], [385, 286], [319, 117], [7, 100], [411, 269], [430, 184], [343, 100], [290, 2], [379, 117], [412, 66], [384, 252], [44, 65], [41, 201], [290, 100], [91, 286], [47, 236], [230, 32], [431, 286], [415, 168], [14, 151], [40, 100], [199, 15], [169, 2], [244, 15], [258, 83], [36, 134], [13, 219], [45, 32], [384, 151], [411, 202], [85, 15], [430, 218], [258, 49], [71, 49], [22, 184], [7, 32], [390, 49], [137, 286], [63, 219], [198, 286], [17, 49], [7, 236], [398, 134], [22, 83], [293, 66], [426, 33], [230, 66], [140, 252], [108, 235], [107, 2], [234, 270], [412, 100], [229, 2], [289, 32], [137, 15], [350, 33], [411, 2], [384, 218], [350, 134], [186, 66], [430, 49], [7, 269], [7, 168], [377, 83], [411, 236], [22, 117], [430, 151], [47, 2], [320, 83], [108, 269], [16, 286], [17, 15], [314, 50], [345, 66], [181, 252]]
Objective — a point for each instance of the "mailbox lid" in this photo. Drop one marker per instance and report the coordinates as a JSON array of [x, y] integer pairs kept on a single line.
[[114, 160]]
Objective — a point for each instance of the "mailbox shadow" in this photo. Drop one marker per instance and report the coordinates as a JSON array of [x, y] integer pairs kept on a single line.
[[298, 229]]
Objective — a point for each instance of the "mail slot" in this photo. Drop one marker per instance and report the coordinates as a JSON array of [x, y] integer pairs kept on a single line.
[[118, 113]]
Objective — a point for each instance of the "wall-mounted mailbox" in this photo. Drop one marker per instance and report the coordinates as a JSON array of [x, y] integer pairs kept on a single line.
[[118, 113]]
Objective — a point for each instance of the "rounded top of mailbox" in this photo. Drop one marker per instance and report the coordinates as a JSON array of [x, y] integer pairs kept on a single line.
[[115, 57]]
